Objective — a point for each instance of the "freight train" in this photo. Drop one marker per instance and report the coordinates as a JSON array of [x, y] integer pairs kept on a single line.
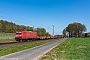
[[30, 35]]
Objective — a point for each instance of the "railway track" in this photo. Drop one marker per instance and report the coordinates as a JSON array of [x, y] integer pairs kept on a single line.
[[7, 44]]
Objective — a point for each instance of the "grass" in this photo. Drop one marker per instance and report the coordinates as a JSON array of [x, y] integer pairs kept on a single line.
[[8, 50], [7, 37], [71, 49], [7, 34], [7, 40]]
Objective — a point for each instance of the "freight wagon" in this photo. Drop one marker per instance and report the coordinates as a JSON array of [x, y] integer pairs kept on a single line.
[[29, 35]]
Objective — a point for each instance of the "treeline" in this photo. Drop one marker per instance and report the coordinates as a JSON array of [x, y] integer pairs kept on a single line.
[[87, 34], [41, 32], [74, 30], [9, 27]]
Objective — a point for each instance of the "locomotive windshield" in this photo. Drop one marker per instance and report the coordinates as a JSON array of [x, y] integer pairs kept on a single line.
[[18, 32]]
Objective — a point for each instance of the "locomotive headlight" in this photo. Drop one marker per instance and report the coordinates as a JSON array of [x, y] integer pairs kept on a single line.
[[16, 35], [20, 35]]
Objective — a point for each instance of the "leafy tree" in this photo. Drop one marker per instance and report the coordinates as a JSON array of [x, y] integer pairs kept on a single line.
[[9, 27], [64, 33], [89, 34], [42, 32], [47, 34], [75, 29], [1, 25]]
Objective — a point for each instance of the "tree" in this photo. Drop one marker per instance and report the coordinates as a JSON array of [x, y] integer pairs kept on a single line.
[[1, 25], [75, 29], [42, 32], [64, 33], [9, 27], [47, 34]]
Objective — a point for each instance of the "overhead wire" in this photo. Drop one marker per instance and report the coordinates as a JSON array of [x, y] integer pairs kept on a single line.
[[14, 18], [21, 20]]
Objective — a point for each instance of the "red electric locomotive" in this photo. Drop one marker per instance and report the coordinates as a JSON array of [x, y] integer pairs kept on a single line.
[[25, 35]]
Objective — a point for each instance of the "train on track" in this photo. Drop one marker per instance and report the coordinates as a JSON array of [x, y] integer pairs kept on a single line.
[[30, 35]]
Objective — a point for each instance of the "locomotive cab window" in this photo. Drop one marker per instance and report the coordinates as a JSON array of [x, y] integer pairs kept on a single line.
[[18, 32]]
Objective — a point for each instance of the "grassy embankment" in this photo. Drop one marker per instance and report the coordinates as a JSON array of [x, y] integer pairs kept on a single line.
[[7, 40], [71, 49], [7, 37], [7, 34], [8, 50]]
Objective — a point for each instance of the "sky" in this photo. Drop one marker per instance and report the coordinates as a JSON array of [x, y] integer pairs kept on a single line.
[[46, 13]]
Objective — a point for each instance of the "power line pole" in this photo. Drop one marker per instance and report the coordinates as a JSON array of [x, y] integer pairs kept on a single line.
[[53, 30]]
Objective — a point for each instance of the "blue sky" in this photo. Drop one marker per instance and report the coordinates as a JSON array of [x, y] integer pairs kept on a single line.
[[45, 13]]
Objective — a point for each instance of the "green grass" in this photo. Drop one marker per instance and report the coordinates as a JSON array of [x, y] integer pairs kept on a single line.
[[8, 50], [7, 34], [7, 40], [7, 37], [71, 49]]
